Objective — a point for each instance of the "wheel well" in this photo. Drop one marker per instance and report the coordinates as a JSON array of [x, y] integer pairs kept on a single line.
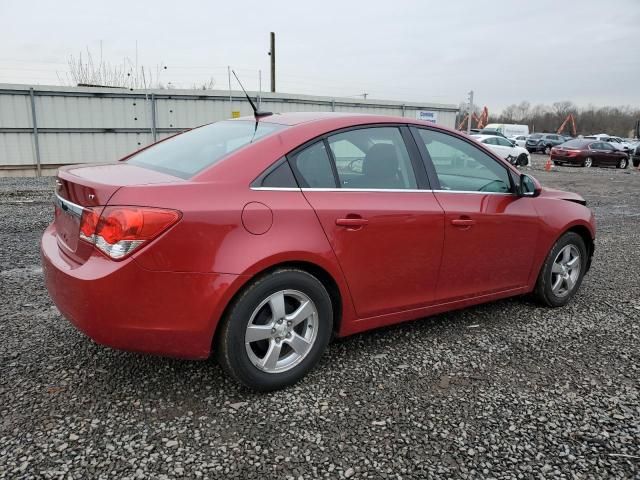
[[320, 273], [588, 241]]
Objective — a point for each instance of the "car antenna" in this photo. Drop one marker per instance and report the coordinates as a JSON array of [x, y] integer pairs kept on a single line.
[[256, 113]]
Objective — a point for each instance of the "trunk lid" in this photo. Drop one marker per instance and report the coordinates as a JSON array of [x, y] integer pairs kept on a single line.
[[79, 187]]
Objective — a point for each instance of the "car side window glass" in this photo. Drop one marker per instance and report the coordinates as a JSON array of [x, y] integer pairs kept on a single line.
[[280, 177], [461, 166], [313, 167], [372, 158], [503, 142]]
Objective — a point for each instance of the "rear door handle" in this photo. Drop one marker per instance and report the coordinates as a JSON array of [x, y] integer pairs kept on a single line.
[[352, 222], [462, 222]]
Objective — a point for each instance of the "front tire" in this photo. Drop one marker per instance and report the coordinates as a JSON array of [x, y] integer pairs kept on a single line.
[[276, 331], [522, 160], [623, 163], [563, 271], [547, 150]]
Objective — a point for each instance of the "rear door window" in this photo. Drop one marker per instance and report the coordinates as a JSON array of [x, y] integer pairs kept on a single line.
[[312, 167], [372, 158]]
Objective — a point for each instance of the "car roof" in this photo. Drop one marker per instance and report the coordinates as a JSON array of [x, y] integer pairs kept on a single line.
[[297, 118]]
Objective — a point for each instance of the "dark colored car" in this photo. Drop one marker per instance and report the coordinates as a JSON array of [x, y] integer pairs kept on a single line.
[[588, 153], [543, 142], [260, 239], [635, 156]]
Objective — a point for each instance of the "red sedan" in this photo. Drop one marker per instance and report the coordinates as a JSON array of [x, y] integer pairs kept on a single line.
[[260, 239], [589, 153]]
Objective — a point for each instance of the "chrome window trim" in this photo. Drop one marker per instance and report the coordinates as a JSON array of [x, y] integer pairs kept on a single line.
[[69, 207], [473, 192], [390, 190], [277, 189], [335, 189]]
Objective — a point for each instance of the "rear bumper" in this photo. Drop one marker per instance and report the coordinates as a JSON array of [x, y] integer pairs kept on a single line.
[[566, 159], [124, 306]]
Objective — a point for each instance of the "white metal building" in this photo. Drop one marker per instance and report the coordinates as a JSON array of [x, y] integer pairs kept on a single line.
[[42, 127]]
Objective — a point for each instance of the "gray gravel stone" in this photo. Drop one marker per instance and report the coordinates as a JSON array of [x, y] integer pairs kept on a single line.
[[528, 392]]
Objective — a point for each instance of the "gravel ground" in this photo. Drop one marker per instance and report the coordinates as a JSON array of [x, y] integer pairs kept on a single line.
[[504, 390]]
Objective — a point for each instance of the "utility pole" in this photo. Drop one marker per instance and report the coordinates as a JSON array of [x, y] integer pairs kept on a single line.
[[230, 95], [470, 112], [259, 88], [272, 54]]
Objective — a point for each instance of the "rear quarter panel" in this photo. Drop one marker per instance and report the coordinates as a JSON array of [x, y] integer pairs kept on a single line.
[[211, 237]]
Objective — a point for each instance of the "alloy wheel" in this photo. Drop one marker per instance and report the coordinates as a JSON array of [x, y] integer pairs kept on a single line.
[[565, 270], [281, 331], [588, 162]]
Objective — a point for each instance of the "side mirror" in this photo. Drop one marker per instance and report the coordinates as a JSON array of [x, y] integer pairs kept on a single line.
[[513, 143], [529, 186]]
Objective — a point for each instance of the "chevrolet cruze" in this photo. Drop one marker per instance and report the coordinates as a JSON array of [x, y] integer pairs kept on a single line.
[[258, 240]]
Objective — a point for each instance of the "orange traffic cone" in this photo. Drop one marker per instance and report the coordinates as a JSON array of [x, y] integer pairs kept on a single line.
[[548, 165]]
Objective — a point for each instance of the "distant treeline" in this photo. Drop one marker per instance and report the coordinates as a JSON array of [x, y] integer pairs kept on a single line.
[[619, 121]]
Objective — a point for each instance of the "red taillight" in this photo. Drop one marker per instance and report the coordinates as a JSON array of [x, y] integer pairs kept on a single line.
[[118, 231], [88, 223], [554, 150]]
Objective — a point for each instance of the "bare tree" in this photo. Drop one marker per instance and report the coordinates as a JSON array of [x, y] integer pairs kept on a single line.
[[85, 70], [509, 113], [522, 110], [542, 118], [564, 108]]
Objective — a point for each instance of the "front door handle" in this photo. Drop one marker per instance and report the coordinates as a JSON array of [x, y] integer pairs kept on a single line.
[[352, 222], [462, 222]]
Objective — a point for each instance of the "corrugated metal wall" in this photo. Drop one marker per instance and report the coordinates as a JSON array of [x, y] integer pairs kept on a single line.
[[84, 125]]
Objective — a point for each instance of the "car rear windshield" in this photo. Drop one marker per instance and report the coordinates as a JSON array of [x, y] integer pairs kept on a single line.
[[576, 143], [190, 152]]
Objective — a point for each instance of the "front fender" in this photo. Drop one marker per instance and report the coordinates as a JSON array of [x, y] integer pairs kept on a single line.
[[558, 216]]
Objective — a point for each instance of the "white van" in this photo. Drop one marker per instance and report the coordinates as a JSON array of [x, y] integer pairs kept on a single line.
[[509, 129]]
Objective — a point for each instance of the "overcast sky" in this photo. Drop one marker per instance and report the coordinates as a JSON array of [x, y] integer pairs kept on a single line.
[[506, 51]]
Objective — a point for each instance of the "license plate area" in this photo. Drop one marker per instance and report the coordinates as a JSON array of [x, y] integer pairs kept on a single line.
[[67, 222]]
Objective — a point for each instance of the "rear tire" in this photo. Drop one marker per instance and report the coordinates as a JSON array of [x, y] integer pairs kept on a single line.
[[262, 343], [588, 162], [559, 279], [623, 163]]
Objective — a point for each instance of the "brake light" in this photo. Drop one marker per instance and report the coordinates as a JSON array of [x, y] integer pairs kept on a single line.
[[118, 231], [88, 223]]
